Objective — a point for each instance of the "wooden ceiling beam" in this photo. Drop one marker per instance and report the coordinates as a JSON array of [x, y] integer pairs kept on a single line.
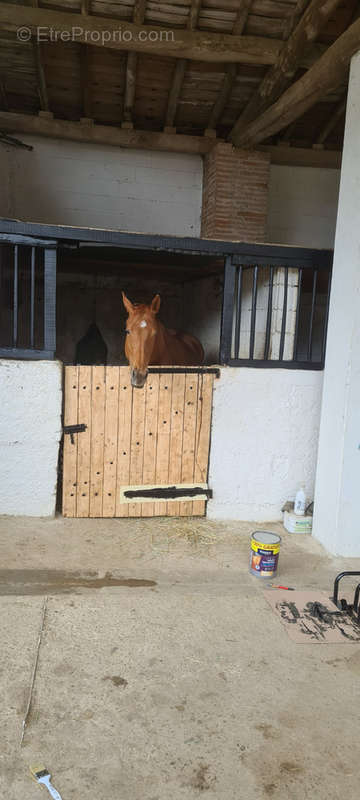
[[230, 73], [176, 43], [104, 134], [180, 68], [324, 76], [131, 65], [281, 74]]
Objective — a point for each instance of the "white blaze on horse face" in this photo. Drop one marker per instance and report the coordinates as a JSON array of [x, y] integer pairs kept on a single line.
[[143, 324]]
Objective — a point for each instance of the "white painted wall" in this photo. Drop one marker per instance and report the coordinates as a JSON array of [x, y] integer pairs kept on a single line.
[[336, 520], [30, 431], [72, 183], [302, 206], [263, 442]]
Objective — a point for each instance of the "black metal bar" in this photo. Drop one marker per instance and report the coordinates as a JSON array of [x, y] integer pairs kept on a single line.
[[269, 315], [167, 492], [16, 295], [238, 310], [298, 301], [337, 583], [272, 364], [311, 325], [32, 297], [185, 370], [253, 313], [284, 313], [23, 352], [13, 238], [71, 429], [356, 599], [227, 312], [255, 252], [50, 300]]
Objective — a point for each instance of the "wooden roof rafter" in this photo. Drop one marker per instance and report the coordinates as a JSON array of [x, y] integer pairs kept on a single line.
[[131, 66], [331, 122], [324, 76], [180, 69], [230, 74], [280, 75], [85, 55], [170, 80], [39, 68]]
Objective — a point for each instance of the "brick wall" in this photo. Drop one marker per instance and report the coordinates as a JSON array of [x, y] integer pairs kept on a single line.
[[235, 194]]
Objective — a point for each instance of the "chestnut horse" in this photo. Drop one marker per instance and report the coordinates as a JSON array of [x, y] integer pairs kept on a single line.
[[149, 342]]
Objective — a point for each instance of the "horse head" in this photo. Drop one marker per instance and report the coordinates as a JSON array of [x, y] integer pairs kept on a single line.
[[141, 329]]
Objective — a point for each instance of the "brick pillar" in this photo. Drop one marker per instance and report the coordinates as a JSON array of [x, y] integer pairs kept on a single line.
[[235, 192]]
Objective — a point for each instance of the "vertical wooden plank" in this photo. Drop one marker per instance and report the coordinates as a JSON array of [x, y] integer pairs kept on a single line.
[[112, 375], [137, 445], [188, 457], [150, 438], [163, 439], [97, 441], [84, 443], [202, 436], [176, 437], [70, 450], [124, 438]]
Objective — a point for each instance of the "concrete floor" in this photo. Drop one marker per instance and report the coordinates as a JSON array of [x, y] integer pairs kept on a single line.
[[168, 677]]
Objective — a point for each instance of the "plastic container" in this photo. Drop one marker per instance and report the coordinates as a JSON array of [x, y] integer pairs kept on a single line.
[[264, 554], [300, 503], [297, 524]]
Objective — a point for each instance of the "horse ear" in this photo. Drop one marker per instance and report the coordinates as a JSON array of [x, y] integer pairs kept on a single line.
[[155, 304], [127, 303]]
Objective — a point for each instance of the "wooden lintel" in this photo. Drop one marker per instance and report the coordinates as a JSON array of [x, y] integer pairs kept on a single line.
[[324, 77], [281, 74], [302, 156], [104, 134], [107, 32]]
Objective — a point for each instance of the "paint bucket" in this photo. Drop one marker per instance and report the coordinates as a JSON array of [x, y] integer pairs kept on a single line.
[[264, 554]]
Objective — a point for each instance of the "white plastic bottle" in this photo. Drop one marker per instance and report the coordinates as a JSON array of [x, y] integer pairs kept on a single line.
[[300, 502]]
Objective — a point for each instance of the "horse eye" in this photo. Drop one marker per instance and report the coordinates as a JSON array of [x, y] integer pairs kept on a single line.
[[127, 331]]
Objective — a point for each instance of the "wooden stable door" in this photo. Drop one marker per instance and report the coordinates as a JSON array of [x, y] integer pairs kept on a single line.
[[139, 452]]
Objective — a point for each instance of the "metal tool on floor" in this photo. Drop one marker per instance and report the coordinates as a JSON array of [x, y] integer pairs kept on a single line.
[[353, 609], [41, 775]]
